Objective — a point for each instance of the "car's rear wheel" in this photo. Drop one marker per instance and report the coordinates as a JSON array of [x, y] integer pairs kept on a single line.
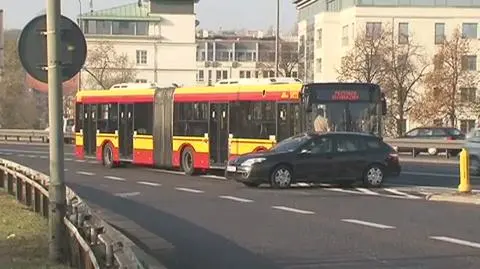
[[373, 176], [281, 177]]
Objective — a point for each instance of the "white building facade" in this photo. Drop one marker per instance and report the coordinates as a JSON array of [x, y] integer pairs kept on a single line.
[[327, 28], [158, 37], [237, 57]]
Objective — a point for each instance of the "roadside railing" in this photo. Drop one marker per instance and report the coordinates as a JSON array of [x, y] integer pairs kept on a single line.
[[415, 145], [93, 243], [31, 136]]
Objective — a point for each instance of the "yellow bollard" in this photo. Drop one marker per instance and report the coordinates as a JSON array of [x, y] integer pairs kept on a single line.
[[464, 186]]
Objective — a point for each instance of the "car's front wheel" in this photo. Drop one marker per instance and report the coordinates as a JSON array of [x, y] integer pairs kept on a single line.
[[281, 177], [373, 176]]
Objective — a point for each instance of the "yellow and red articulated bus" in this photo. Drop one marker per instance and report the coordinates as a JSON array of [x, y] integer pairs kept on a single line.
[[192, 128]]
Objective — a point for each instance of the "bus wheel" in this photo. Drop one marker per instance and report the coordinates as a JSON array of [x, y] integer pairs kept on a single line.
[[108, 156], [188, 161]]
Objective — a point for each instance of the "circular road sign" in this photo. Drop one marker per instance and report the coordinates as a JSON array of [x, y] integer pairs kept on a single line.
[[32, 48]]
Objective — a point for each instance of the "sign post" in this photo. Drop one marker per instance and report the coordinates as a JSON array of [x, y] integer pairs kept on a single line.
[[57, 196], [53, 60]]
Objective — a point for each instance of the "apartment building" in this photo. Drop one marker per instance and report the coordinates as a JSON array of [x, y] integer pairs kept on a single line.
[[157, 36], [231, 55], [327, 29]]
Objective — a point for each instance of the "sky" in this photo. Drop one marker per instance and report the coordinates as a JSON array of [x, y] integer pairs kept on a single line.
[[212, 14]]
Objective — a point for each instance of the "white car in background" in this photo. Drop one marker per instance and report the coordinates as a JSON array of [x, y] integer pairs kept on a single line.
[[68, 130]]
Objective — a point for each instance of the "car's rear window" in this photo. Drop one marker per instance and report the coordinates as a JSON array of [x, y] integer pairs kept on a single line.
[[453, 131]]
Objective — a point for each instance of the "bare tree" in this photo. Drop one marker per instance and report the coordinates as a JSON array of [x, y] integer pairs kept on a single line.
[[106, 67], [451, 85], [364, 62], [405, 66], [17, 104], [288, 60]]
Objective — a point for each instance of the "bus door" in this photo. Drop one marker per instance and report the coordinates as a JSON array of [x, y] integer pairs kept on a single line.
[[90, 130], [218, 134], [288, 120], [125, 131]]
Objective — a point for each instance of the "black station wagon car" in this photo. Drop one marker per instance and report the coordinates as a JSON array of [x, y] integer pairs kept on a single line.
[[312, 157]]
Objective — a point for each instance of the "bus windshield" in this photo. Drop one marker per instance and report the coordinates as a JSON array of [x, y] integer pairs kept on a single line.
[[345, 116], [347, 107]]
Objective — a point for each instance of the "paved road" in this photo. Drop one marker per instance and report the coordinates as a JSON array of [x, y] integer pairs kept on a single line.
[[214, 223]]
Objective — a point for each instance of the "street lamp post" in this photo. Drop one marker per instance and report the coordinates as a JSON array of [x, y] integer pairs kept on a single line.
[[277, 34]]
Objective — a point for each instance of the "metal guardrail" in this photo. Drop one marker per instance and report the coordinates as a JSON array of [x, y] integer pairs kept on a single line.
[[25, 135], [93, 243]]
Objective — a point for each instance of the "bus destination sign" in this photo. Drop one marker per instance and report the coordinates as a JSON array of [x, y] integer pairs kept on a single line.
[[325, 95], [345, 96]]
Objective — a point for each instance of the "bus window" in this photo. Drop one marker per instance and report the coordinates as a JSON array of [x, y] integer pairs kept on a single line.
[[78, 117], [107, 118], [143, 123], [190, 119], [252, 119]]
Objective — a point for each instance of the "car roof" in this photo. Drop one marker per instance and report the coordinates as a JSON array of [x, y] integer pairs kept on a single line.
[[315, 134]]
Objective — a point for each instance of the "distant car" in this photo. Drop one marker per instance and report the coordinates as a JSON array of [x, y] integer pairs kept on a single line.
[[439, 133], [472, 145], [313, 157]]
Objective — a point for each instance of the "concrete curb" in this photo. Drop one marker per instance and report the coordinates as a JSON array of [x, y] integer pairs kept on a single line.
[[455, 198], [420, 160]]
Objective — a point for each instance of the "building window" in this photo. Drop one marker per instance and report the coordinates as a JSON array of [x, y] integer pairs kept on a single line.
[[224, 74], [319, 65], [141, 57], [467, 125], [123, 28], [294, 74], [200, 55], [439, 33], [319, 38], [140, 80], [345, 35], [242, 74], [469, 63], [468, 94], [469, 30], [218, 75], [403, 33], [373, 29], [141, 28], [332, 5], [200, 75]]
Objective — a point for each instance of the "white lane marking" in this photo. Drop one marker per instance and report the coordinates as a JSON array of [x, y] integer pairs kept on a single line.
[[65, 170], [213, 176], [456, 241], [166, 171], [370, 224], [290, 209], [92, 162], [394, 191], [43, 157], [149, 183], [189, 190], [302, 184], [434, 174], [80, 161], [32, 156], [68, 159], [367, 191], [343, 190], [115, 178], [85, 173], [7, 153], [21, 155], [237, 199], [127, 194]]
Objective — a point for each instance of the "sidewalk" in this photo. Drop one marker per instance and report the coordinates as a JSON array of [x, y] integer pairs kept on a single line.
[[455, 197]]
